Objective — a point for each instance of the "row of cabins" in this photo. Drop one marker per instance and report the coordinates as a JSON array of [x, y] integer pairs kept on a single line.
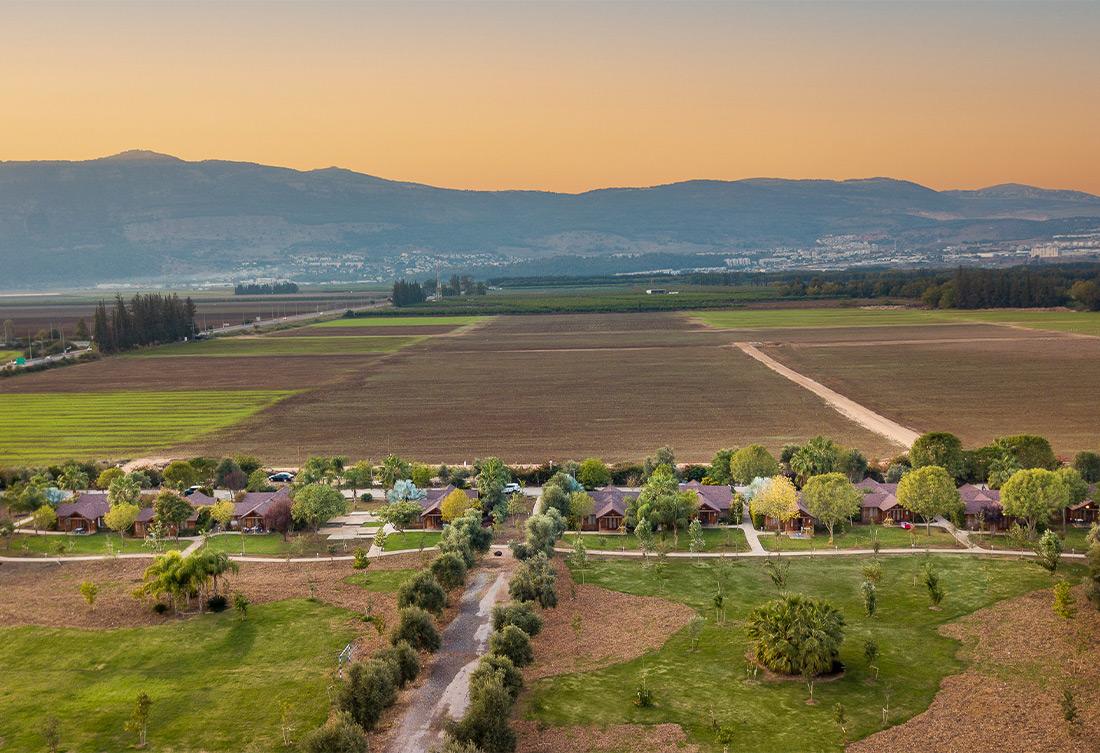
[[610, 508], [84, 514]]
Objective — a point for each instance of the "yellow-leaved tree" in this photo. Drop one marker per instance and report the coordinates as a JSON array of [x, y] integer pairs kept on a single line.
[[455, 504]]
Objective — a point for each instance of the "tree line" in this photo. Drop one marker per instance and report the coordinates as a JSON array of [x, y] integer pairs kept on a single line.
[[147, 319], [265, 288]]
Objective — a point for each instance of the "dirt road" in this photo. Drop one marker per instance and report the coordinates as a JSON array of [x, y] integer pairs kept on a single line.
[[846, 407]]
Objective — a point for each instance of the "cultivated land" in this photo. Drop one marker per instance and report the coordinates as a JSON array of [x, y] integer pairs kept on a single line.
[[711, 691], [222, 347]]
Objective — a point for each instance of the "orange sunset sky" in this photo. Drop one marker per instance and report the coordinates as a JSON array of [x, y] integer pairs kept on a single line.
[[567, 96]]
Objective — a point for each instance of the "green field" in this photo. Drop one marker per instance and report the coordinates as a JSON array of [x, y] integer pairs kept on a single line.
[[32, 545], [53, 427], [862, 537], [711, 692], [283, 346], [1061, 321], [399, 321], [387, 581], [410, 540], [9, 355], [217, 682], [296, 545], [714, 540]]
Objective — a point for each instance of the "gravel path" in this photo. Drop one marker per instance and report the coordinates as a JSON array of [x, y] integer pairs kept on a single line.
[[445, 693], [846, 407]]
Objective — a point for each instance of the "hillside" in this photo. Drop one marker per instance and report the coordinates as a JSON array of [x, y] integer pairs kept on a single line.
[[142, 215]]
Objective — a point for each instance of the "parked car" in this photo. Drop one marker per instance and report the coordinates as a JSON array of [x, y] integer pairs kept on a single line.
[[282, 477], [511, 488], [191, 490], [905, 525]]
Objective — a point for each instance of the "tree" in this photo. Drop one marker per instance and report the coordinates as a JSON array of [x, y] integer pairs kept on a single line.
[[491, 480], [932, 583], [179, 474], [593, 473], [401, 515], [662, 503], [1048, 551], [542, 531], [518, 613], [503, 667], [796, 635], [226, 468], [359, 476], [124, 490], [819, 455], [1088, 465], [222, 511], [830, 498], [581, 505], [1032, 495], [928, 492], [718, 472], [393, 470], [369, 688], [1064, 605], [1077, 490], [51, 733], [853, 464], [339, 734], [776, 499], [664, 456], [455, 505], [257, 482], [1086, 294], [869, 594], [485, 723], [404, 491], [172, 510], [415, 626], [44, 518], [121, 517], [280, 517], [534, 581], [321, 470], [696, 542], [107, 476], [750, 463], [315, 504], [1030, 451], [422, 590], [513, 643], [421, 474], [556, 498], [89, 590], [939, 448], [449, 569], [139, 719], [73, 478]]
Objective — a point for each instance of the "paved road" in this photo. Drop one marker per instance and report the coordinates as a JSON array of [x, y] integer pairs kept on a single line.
[[445, 693], [846, 407]]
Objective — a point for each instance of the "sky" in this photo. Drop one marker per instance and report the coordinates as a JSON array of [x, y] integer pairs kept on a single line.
[[566, 96]]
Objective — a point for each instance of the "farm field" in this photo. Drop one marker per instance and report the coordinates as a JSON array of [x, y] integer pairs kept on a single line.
[[201, 674], [863, 537], [714, 540], [32, 545], [221, 347], [762, 714], [368, 322], [41, 427]]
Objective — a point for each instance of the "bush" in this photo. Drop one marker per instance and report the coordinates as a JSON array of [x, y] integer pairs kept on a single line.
[[366, 497], [593, 473], [449, 569], [368, 690], [160, 607], [361, 562], [404, 660], [534, 580], [450, 745], [796, 634], [422, 590], [340, 734], [518, 613], [512, 643], [217, 603], [485, 723], [416, 627], [502, 666]]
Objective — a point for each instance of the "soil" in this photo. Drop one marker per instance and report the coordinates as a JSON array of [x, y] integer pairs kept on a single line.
[[616, 738], [1008, 701], [614, 627]]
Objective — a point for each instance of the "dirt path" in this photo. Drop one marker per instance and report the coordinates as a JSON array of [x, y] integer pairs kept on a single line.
[[846, 407], [445, 693]]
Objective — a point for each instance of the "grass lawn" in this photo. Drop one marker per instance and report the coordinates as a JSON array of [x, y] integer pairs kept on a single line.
[[300, 545], [713, 685], [861, 537], [1074, 539], [52, 427], [714, 539], [399, 321], [30, 545], [411, 540], [380, 580], [9, 355], [283, 346], [217, 682]]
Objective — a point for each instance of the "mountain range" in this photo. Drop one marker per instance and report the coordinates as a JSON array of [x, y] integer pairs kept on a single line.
[[140, 215]]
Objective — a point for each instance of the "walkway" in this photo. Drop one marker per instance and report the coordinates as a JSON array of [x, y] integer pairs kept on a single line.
[[846, 407], [445, 692]]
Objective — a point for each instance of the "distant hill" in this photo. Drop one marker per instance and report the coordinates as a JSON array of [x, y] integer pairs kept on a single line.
[[146, 215]]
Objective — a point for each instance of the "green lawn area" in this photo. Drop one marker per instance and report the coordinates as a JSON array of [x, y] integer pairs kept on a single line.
[[53, 427], [216, 682], [862, 537], [297, 545], [689, 686], [380, 580], [411, 540], [399, 321], [9, 355], [715, 540], [350, 345], [31, 545], [1073, 540]]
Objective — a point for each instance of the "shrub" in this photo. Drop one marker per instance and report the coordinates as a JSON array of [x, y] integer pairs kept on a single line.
[[361, 562], [340, 734], [512, 643], [796, 635], [504, 667], [593, 472], [485, 723], [534, 580], [404, 660], [449, 569], [217, 603], [416, 627], [160, 607], [450, 745], [1064, 605], [518, 613], [422, 590], [368, 690]]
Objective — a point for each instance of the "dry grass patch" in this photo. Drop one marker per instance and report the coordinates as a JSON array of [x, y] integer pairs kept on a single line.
[[615, 738]]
